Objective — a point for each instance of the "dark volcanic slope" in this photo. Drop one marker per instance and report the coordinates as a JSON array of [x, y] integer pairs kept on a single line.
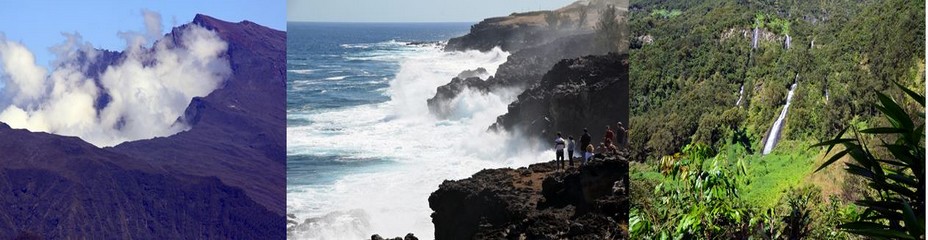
[[588, 92], [239, 131], [224, 178], [58, 187]]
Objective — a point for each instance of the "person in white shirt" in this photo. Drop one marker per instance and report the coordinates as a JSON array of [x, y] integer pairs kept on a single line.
[[559, 145], [571, 145]]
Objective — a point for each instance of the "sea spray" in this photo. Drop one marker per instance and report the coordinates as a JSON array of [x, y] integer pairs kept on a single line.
[[414, 151]]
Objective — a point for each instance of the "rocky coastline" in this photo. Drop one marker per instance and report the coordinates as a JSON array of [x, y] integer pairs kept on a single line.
[[564, 83], [536, 202], [586, 92]]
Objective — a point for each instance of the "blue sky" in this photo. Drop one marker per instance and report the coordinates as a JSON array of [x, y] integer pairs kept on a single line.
[[411, 10], [38, 24]]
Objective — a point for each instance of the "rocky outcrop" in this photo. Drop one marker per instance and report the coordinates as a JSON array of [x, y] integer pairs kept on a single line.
[[586, 92], [409, 236], [535, 202], [537, 40], [521, 69], [524, 30]]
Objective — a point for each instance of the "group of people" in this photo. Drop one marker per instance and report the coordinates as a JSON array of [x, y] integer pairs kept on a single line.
[[586, 149]]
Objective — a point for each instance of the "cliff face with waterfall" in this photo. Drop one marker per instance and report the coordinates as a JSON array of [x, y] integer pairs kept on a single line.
[[721, 73]]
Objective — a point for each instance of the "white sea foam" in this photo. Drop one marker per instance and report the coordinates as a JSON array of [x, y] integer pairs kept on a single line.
[[336, 78], [422, 151], [392, 42], [301, 71]]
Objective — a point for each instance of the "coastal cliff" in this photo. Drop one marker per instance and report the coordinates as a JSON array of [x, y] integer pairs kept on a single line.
[[586, 92], [564, 82], [521, 70], [529, 29], [535, 202], [537, 41]]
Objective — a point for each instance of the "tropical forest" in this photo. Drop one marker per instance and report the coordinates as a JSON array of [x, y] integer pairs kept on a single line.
[[772, 119]]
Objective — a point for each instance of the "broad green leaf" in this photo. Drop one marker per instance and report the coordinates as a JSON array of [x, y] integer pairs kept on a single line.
[[917, 97], [831, 160], [895, 112]]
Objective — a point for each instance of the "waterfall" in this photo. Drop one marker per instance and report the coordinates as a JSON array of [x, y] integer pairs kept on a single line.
[[788, 41], [826, 96], [740, 95], [774, 135], [754, 39]]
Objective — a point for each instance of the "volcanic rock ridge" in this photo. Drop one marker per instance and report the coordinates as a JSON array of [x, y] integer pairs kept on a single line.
[[223, 178]]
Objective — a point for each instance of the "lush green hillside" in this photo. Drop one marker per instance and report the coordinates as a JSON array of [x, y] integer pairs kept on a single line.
[[686, 80], [701, 173]]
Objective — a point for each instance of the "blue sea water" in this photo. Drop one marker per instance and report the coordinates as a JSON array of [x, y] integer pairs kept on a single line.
[[363, 151], [339, 65], [333, 65]]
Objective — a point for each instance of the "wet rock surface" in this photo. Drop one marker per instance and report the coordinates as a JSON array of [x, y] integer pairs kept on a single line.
[[587, 92], [521, 70]]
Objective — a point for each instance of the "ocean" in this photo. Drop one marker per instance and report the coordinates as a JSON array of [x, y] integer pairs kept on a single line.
[[363, 151]]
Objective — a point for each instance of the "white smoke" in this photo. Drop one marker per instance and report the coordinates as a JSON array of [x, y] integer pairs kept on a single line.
[[152, 23], [148, 88]]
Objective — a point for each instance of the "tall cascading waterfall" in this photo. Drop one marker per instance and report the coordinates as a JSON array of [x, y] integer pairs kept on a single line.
[[788, 41], [754, 39], [740, 95], [774, 135]]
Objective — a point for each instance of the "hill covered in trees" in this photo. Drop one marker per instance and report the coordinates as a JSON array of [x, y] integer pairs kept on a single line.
[[688, 68], [709, 79]]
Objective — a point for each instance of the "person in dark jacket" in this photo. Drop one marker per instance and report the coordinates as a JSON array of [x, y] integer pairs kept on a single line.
[[621, 136], [585, 140]]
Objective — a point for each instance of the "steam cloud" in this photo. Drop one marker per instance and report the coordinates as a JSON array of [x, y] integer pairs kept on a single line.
[[140, 96]]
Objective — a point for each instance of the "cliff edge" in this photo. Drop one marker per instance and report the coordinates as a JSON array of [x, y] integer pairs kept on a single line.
[[536, 202]]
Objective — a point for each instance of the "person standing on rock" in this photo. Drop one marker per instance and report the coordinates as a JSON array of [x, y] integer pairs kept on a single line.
[[585, 140], [621, 136], [600, 152], [610, 135], [611, 148], [587, 154], [559, 145], [571, 145]]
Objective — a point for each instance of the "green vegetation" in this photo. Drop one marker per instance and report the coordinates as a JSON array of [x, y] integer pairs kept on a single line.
[[664, 13], [703, 195], [610, 31], [686, 81], [897, 173], [701, 174]]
